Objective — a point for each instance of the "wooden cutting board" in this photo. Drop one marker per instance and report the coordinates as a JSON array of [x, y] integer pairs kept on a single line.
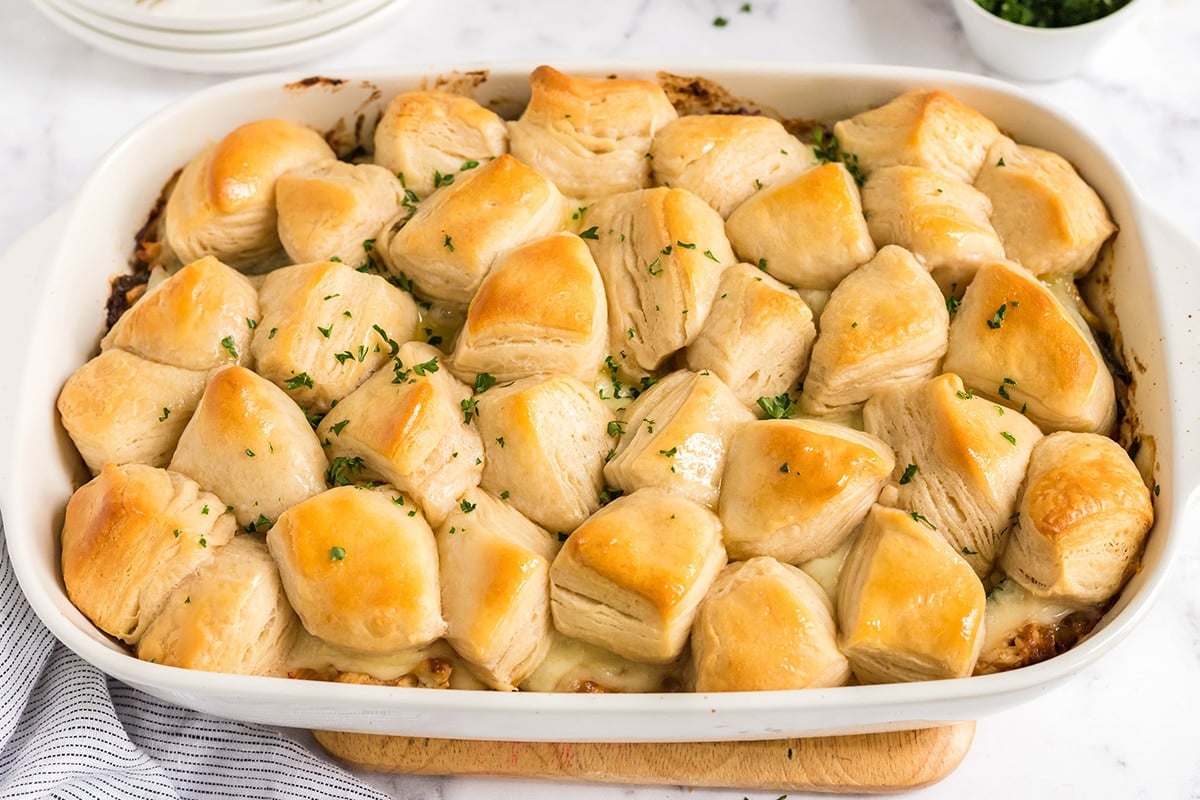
[[877, 762]]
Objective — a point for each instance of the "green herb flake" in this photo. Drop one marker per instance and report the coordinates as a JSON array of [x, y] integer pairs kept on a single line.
[[227, 343], [615, 428], [651, 268], [166, 412], [440, 180], [483, 382], [338, 427], [966, 551], [426, 367], [778, 407], [965, 394], [669, 453], [784, 468], [709, 255], [470, 409], [719, 22], [249, 452], [500, 441], [448, 243], [921, 518], [177, 532], [504, 495], [762, 264], [1009, 438], [468, 164], [343, 468], [301, 381], [909, 472], [590, 233], [251, 323], [325, 331], [337, 553], [1000, 163], [466, 506]]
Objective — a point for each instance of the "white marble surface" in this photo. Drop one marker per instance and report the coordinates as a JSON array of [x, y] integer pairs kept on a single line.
[[1128, 726]]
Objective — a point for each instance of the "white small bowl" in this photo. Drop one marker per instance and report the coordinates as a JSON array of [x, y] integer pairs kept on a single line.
[[1038, 54]]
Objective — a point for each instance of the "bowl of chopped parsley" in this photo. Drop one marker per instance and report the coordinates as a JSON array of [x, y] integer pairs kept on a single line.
[[1041, 40]]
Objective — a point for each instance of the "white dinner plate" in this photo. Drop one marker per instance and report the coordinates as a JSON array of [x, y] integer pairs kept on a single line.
[[226, 61], [208, 15], [333, 15]]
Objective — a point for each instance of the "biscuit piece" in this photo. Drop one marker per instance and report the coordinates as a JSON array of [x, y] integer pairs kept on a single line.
[[223, 204], [676, 436], [590, 135], [908, 607], [325, 328], [630, 578], [1051, 222], [921, 128], [230, 615], [200, 318], [405, 425], [130, 536], [1084, 515], [332, 210], [541, 310], [429, 137], [795, 489], [885, 325], [544, 442], [808, 231], [757, 337], [495, 567], [250, 444], [766, 626], [451, 241], [960, 460], [119, 408], [1015, 341], [943, 222], [725, 158], [359, 570], [661, 253]]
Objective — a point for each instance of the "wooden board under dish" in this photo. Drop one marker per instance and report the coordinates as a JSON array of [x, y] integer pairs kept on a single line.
[[877, 762]]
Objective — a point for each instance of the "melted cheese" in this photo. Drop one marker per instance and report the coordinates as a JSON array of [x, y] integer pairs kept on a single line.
[[572, 664]]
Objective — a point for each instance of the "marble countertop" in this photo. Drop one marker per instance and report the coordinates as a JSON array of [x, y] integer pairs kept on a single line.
[[1125, 727]]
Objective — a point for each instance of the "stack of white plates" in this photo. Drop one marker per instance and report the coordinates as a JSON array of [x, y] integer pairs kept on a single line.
[[218, 35]]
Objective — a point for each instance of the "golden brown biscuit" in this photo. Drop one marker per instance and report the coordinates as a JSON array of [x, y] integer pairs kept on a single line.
[[201, 318], [130, 536], [541, 310], [725, 158], [676, 437], [325, 328], [230, 615], [545, 440], [1084, 514], [1050, 220], [590, 135], [661, 253], [808, 231], [119, 408], [757, 337], [886, 324], [960, 460], [332, 210], [765, 626], [406, 425], [224, 202], [1016, 342], [945, 223], [921, 128], [360, 571], [428, 138], [630, 578], [451, 241], [795, 489], [495, 568], [908, 607], [249, 443]]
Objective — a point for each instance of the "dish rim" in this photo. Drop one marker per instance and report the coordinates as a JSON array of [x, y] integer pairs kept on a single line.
[[184, 685]]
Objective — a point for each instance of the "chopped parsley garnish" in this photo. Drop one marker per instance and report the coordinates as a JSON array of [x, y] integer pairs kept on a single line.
[[998, 318], [249, 452], [204, 510], [299, 381], [251, 323], [964, 394], [686, 245], [466, 506], [468, 164], [448, 243], [325, 331], [615, 428], [483, 382], [709, 255], [778, 407], [784, 468], [762, 264], [260, 525], [166, 412], [337, 553], [342, 468], [719, 22], [227, 343], [338, 427], [909, 472], [426, 367], [918, 517], [504, 495], [440, 180], [1009, 438], [669, 453], [608, 494], [590, 233], [470, 409], [966, 551], [1000, 163], [1003, 389], [651, 268]]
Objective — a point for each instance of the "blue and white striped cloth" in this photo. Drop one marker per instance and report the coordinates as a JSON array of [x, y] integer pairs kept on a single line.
[[69, 731]]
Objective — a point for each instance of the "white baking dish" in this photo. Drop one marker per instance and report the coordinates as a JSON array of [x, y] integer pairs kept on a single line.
[[62, 315]]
